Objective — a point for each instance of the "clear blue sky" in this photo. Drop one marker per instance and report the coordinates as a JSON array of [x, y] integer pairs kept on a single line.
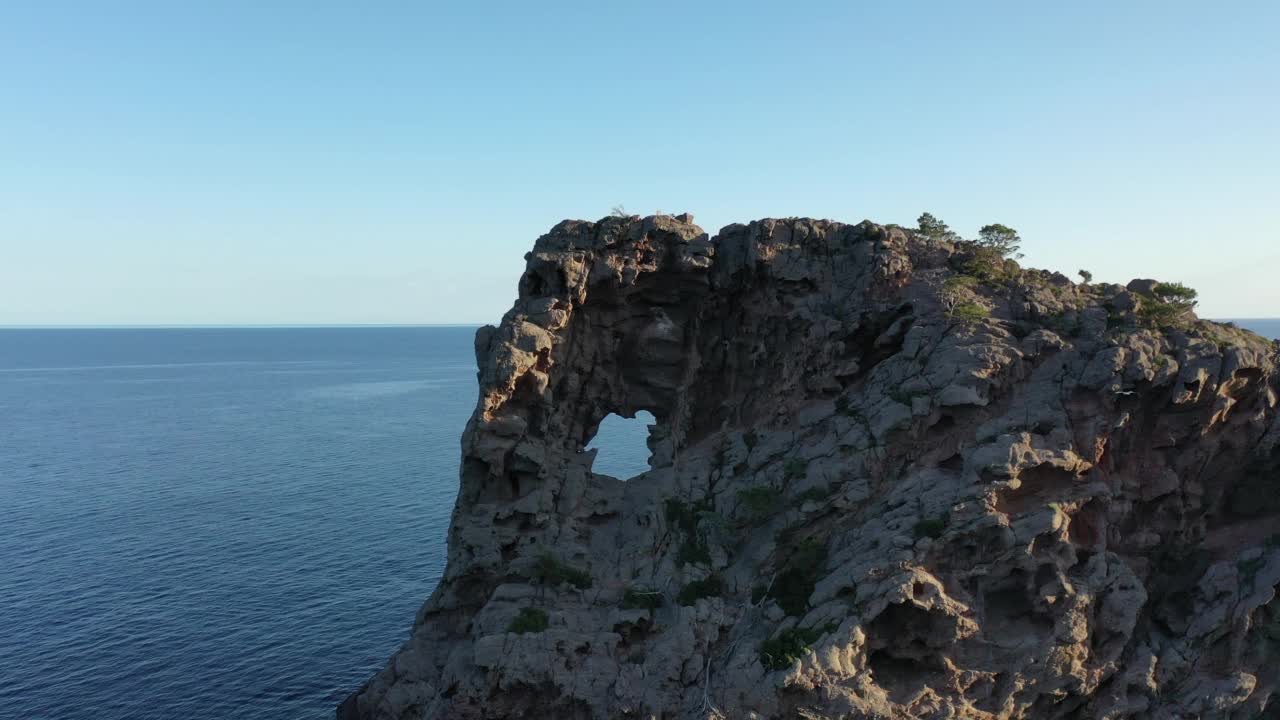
[[390, 162]]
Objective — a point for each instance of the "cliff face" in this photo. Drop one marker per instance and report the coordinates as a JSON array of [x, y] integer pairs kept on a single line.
[[880, 488]]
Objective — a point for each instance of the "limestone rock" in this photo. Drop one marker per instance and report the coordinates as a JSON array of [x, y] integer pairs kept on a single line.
[[858, 505]]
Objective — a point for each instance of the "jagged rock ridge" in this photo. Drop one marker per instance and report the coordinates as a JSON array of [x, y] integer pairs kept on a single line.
[[879, 488]]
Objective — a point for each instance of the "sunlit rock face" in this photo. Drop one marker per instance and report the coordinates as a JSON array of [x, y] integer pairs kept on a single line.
[[884, 483]]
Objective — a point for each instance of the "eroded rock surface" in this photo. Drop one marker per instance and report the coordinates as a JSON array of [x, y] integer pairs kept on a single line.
[[879, 488]]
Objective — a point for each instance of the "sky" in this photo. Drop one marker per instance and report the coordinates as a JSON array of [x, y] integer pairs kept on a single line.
[[282, 162]]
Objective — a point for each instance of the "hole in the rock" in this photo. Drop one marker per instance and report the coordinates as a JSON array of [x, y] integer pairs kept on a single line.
[[1088, 525], [623, 445], [945, 421], [1250, 374], [901, 676]]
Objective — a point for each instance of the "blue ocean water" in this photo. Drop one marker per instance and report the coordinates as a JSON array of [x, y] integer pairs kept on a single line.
[[1266, 327], [219, 523], [227, 523]]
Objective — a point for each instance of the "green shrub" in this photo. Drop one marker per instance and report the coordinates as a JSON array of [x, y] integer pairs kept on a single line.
[[641, 599], [985, 264], [760, 501], [553, 572], [795, 583], [1066, 322], [931, 527], [1001, 239], [816, 494], [969, 312], [708, 587], [1167, 305], [795, 468], [957, 284], [934, 229], [693, 551], [687, 517], [530, 620], [788, 646]]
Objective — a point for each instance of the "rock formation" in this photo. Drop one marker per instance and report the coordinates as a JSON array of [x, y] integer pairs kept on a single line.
[[886, 481]]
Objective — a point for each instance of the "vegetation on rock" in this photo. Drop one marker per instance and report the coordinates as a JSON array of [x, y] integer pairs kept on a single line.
[[1166, 305], [639, 598], [760, 501], [969, 312], [784, 649], [934, 229], [529, 620], [802, 567], [693, 591], [552, 572], [931, 527], [1001, 239]]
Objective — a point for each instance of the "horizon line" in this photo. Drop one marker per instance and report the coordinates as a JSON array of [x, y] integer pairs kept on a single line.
[[319, 326], [226, 326]]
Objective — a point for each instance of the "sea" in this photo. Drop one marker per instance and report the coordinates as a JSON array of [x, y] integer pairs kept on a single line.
[[232, 523]]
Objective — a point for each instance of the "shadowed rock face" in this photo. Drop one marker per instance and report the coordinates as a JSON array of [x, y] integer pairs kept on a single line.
[[865, 498]]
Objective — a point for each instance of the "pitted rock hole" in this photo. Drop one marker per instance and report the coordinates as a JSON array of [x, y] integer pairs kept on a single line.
[[623, 445]]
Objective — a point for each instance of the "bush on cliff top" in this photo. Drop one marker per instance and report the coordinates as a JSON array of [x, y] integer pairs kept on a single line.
[[1167, 305]]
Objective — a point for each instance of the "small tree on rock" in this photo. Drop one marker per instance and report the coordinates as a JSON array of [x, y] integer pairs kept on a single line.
[[1167, 305], [1175, 294], [1086, 276], [1000, 238], [934, 229]]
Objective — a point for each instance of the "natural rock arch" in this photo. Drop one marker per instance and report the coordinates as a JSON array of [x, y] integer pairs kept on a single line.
[[821, 416], [621, 445]]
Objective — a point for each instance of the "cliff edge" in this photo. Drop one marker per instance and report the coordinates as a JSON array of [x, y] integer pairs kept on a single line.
[[887, 481]]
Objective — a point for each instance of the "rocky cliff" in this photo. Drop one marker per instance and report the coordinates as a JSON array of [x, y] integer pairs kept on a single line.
[[883, 484]]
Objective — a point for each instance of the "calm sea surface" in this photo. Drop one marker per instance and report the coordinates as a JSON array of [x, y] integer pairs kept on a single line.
[[227, 523], [1269, 327]]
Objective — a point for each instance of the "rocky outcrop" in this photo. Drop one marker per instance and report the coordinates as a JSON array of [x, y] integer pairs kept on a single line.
[[886, 482]]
